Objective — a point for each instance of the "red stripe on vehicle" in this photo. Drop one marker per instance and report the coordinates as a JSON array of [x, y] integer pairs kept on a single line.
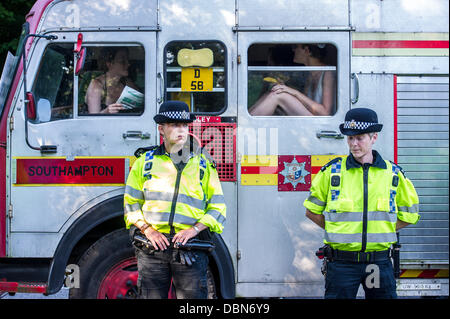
[[23, 287], [399, 44], [79, 171], [428, 273], [259, 169]]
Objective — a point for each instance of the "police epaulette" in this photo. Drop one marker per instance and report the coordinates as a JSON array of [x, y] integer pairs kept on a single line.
[[334, 160], [142, 150], [399, 168], [209, 157]]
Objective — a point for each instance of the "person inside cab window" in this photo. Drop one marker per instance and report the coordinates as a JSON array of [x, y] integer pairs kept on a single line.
[[318, 97], [104, 91]]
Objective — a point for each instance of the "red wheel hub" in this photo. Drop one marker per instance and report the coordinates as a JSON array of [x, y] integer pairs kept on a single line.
[[120, 282]]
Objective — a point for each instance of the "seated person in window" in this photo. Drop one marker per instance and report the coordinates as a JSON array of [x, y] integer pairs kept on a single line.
[[318, 97], [103, 91]]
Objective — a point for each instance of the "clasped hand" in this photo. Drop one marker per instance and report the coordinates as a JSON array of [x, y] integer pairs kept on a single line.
[[159, 241]]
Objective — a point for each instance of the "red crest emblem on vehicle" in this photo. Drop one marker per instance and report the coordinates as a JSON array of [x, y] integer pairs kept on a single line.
[[294, 172]]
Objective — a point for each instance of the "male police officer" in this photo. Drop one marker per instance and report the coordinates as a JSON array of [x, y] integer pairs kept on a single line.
[[361, 201], [173, 193]]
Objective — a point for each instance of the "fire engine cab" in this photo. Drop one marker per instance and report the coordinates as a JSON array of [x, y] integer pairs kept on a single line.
[[66, 150]]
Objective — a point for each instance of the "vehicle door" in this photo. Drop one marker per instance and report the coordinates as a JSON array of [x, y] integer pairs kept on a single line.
[[94, 147], [283, 146]]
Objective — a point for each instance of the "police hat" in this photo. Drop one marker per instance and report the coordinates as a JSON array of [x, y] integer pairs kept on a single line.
[[173, 112], [359, 121]]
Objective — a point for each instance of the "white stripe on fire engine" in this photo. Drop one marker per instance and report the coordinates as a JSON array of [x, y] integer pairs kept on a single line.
[[400, 36]]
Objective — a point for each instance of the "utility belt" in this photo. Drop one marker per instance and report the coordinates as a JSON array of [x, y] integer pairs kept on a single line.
[[352, 256], [140, 241]]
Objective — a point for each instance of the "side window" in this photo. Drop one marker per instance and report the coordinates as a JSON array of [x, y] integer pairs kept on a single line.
[[195, 73], [53, 87], [296, 79], [112, 81]]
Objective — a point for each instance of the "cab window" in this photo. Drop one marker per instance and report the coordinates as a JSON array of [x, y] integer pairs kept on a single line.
[[195, 73], [112, 81], [295, 79]]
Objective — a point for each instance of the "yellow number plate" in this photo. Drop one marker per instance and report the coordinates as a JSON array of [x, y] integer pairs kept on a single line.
[[196, 79]]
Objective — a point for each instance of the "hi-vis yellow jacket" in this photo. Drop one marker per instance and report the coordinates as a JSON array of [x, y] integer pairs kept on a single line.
[[161, 192], [361, 203]]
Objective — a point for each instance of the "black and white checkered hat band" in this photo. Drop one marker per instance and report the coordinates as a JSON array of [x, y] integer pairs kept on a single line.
[[353, 125], [177, 115]]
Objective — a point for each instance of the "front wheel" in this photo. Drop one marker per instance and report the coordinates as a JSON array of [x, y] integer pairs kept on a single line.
[[108, 270]]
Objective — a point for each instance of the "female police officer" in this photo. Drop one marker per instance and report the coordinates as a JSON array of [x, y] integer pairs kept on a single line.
[[361, 201], [173, 192]]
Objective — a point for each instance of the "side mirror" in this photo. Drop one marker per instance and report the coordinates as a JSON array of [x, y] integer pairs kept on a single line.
[[81, 57], [44, 110], [80, 54], [30, 105]]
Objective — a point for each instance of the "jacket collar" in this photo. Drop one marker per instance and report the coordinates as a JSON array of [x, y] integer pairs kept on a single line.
[[160, 150], [378, 161], [189, 150]]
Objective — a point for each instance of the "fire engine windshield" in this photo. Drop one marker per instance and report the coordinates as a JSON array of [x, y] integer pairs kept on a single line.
[[6, 78], [9, 70], [296, 79], [196, 74]]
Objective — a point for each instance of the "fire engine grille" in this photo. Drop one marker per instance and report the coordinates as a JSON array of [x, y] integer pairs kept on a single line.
[[423, 152], [219, 139]]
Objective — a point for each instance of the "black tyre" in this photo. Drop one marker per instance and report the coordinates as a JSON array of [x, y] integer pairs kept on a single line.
[[108, 269]]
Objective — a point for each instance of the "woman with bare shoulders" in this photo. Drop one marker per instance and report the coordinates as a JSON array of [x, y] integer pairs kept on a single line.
[[318, 98], [103, 91]]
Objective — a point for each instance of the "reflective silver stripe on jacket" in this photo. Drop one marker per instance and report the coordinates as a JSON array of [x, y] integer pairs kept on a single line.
[[381, 237], [217, 199], [217, 216], [355, 238], [133, 192], [316, 201], [409, 209], [132, 208], [182, 198], [358, 216], [159, 218]]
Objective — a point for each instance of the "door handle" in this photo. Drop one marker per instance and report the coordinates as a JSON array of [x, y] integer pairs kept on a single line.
[[136, 135], [356, 98], [330, 134], [161, 87]]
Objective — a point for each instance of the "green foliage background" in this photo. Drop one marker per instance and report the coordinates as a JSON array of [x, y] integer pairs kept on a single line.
[[12, 16]]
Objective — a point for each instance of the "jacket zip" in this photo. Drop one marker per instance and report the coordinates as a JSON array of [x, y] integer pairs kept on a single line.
[[366, 186], [179, 168]]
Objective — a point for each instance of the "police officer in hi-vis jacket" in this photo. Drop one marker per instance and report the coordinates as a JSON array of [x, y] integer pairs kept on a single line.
[[172, 194], [361, 201]]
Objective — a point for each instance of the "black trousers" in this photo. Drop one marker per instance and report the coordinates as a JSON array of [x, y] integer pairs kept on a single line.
[[157, 269], [343, 279]]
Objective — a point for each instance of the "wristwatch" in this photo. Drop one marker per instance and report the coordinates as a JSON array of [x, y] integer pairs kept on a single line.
[[143, 228], [196, 229]]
